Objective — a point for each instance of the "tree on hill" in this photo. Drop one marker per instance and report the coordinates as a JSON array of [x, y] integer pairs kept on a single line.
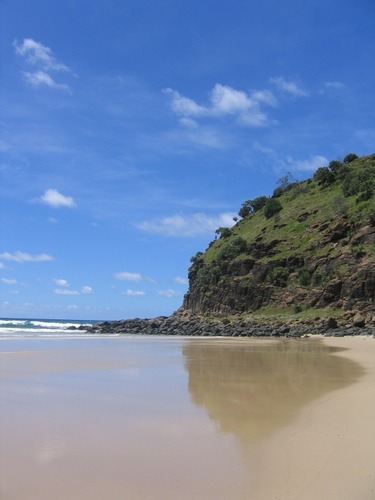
[[251, 206], [284, 183], [272, 207], [324, 176], [224, 232], [350, 157]]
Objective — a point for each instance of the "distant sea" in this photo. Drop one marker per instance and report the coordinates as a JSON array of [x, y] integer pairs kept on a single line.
[[41, 328]]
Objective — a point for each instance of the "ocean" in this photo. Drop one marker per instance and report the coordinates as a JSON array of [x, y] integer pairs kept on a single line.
[[42, 328]]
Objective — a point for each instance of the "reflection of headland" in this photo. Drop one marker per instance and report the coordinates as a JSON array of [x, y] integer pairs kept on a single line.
[[250, 390]]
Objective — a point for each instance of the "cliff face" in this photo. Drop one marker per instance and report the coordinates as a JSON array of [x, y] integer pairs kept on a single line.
[[316, 251]]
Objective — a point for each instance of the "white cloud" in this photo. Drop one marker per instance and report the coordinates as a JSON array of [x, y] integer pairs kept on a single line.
[[289, 86], [22, 257], [36, 53], [38, 78], [9, 281], [309, 165], [331, 87], [265, 150], [61, 282], [125, 276], [169, 293], [265, 96], [72, 307], [188, 123], [224, 101], [55, 199], [184, 106], [2, 265], [41, 58], [181, 281], [64, 291], [187, 225], [133, 293]]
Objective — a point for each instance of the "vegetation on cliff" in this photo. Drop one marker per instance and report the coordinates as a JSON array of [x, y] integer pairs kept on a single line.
[[310, 245]]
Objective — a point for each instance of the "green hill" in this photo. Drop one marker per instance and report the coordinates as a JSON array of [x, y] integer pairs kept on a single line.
[[309, 246]]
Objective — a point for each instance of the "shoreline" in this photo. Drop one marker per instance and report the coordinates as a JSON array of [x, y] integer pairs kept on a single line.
[[185, 324]]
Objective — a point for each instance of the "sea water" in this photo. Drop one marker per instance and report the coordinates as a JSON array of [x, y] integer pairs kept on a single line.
[[11, 328]]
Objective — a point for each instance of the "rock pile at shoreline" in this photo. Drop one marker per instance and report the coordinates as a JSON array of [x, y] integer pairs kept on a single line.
[[187, 324]]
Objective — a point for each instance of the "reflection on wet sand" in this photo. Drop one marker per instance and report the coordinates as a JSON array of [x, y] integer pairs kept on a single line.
[[251, 389], [120, 418]]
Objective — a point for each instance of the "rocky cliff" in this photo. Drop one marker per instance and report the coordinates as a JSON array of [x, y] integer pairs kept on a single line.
[[300, 262], [310, 245]]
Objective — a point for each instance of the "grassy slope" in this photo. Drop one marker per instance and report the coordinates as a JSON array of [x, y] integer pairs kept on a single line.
[[310, 212], [326, 205]]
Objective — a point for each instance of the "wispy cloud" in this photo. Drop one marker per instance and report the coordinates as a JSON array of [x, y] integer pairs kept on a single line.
[[224, 101], [39, 78], [65, 291], [289, 163], [9, 281], [22, 257], [187, 225], [183, 106], [42, 59], [334, 85], [291, 87], [55, 199], [38, 54], [61, 282], [133, 293], [126, 276], [181, 281], [169, 293], [309, 165]]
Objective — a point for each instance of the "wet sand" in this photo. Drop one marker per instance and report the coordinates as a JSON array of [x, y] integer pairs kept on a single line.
[[328, 451], [172, 418]]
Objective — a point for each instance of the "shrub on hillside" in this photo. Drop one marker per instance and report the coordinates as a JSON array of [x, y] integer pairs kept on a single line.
[[335, 166], [233, 248], [251, 206], [224, 232], [278, 276], [198, 256], [324, 176], [350, 157], [272, 207], [361, 183]]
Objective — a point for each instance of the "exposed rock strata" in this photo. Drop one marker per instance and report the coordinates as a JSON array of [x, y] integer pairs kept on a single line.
[[343, 277]]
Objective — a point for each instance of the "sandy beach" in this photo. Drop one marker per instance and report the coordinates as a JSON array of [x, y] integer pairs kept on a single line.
[[171, 418], [328, 452]]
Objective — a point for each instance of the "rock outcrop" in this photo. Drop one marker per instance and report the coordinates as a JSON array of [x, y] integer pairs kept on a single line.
[[183, 322], [316, 258], [312, 258], [343, 277]]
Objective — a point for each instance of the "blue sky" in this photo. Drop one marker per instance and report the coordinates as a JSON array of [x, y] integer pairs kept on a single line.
[[131, 130]]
